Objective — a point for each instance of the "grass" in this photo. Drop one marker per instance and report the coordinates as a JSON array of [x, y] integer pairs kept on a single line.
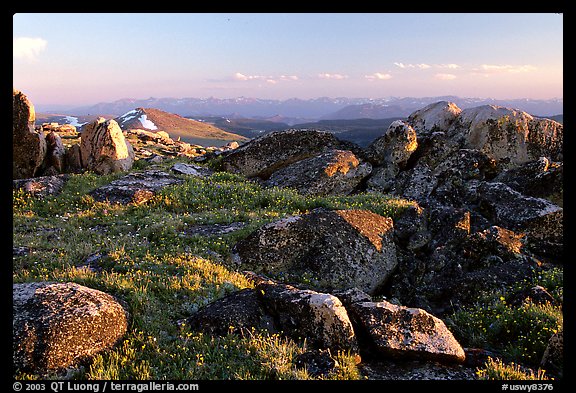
[[519, 332], [143, 255]]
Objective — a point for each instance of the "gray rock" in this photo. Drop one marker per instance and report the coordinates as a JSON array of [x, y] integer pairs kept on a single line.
[[28, 145], [539, 219], [136, 187], [42, 186], [328, 249], [191, 170], [416, 184], [394, 147], [405, 333], [238, 312], [437, 116], [56, 325], [320, 318], [509, 136], [104, 149], [264, 155], [336, 172], [53, 163], [553, 358], [540, 179]]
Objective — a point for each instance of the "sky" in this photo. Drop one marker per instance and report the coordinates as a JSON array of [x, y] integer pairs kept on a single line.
[[82, 59]]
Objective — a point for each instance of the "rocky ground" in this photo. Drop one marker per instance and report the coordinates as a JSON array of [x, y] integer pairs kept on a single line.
[[484, 211]]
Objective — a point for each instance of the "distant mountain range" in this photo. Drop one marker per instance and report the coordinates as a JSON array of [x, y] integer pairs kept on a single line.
[[293, 111]]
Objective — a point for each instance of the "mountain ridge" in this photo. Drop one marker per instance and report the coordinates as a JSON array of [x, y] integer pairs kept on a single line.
[[310, 109]]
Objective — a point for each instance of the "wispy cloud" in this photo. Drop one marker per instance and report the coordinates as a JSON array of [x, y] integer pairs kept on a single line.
[[450, 66], [27, 48], [332, 76], [422, 66], [378, 76], [238, 76], [445, 77], [505, 68]]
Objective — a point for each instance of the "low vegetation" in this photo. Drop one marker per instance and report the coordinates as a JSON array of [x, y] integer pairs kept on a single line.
[[150, 257], [147, 256]]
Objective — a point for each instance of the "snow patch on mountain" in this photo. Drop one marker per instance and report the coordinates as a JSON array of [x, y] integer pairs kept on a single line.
[[73, 121], [148, 124]]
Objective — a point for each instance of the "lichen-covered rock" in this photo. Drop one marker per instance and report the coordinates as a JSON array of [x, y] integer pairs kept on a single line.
[[320, 318], [509, 136], [437, 116], [56, 325], [416, 184], [42, 186], [28, 145], [394, 147], [264, 155], [328, 249], [238, 312], [73, 159], [336, 172], [136, 187], [540, 179], [539, 219], [406, 333], [494, 241], [53, 163], [553, 358], [104, 149]]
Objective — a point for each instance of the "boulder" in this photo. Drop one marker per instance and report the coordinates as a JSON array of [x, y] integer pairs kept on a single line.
[[264, 155], [57, 325], [394, 147], [328, 249], [104, 149], [336, 172], [539, 219], [317, 363], [135, 187], [54, 161], [553, 358], [73, 159], [320, 318], [191, 170], [42, 186], [400, 332], [238, 312], [509, 136], [540, 179], [415, 184], [437, 116], [28, 145]]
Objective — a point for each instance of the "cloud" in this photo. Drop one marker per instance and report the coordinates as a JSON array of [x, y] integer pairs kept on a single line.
[[451, 66], [422, 66], [332, 76], [288, 77], [445, 77], [493, 68], [378, 76], [27, 48], [269, 79]]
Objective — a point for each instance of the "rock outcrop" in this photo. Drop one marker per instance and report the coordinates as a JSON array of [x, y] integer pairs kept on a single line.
[[135, 187], [401, 332], [28, 145], [336, 172], [57, 325], [104, 149], [331, 249], [264, 155]]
